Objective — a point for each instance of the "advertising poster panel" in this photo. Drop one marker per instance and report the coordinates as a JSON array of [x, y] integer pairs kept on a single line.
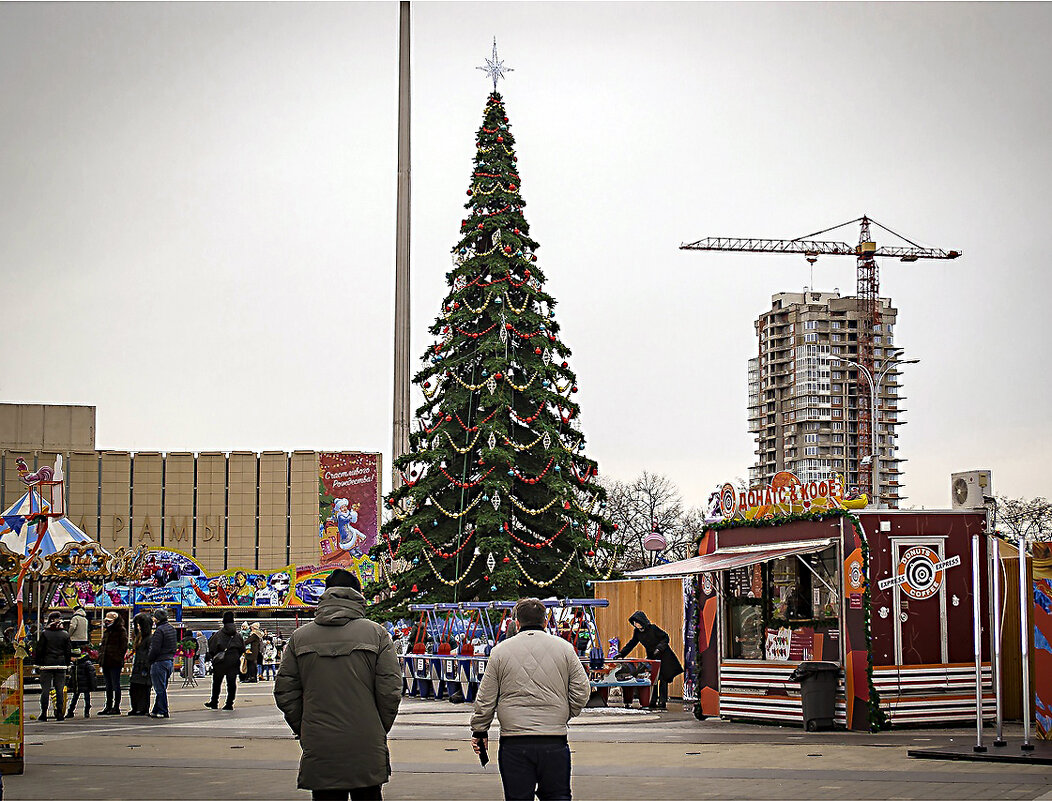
[[348, 510]]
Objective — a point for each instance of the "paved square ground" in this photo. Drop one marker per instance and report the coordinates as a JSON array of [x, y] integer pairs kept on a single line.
[[618, 754]]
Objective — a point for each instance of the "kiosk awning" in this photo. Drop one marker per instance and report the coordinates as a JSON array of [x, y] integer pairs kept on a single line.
[[728, 558]]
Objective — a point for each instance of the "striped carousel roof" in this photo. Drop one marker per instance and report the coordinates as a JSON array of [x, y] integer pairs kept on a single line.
[[60, 532], [31, 503]]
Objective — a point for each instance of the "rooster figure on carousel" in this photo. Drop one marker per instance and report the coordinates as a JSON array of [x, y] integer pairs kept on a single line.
[[30, 479]]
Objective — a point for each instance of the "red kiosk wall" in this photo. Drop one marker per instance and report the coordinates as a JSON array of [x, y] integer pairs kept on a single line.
[[856, 651], [708, 645], [923, 630]]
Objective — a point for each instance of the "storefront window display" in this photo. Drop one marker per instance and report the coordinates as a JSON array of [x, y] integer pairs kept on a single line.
[[784, 609]]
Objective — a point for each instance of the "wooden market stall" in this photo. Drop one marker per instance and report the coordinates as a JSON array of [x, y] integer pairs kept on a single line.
[[886, 595], [661, 600]]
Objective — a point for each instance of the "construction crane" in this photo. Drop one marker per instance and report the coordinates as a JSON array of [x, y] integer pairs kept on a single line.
[[867, 295]]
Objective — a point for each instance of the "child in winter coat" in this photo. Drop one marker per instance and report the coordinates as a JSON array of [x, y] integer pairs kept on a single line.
[[82, 680], [270, 659]]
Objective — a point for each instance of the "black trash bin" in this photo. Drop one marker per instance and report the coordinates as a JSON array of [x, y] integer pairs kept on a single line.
[[817, 693]]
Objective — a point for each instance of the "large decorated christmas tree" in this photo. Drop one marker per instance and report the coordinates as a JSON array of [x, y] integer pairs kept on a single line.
[[499, 499]]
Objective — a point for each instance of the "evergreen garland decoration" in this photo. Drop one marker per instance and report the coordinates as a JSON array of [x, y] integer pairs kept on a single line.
[[878, 719]]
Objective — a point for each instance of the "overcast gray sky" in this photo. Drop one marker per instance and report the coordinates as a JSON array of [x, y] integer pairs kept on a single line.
[[197, 227]]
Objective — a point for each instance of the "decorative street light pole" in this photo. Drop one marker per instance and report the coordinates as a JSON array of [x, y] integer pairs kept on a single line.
[[874, 390]]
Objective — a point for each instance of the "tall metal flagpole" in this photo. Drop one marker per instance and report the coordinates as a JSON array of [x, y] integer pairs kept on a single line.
[[400, 434]]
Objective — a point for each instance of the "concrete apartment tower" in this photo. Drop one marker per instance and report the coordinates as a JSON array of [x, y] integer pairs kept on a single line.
[[802, 405]]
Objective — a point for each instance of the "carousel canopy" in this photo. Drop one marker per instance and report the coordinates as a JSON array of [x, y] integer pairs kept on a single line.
[[60, 532], [29, 504]]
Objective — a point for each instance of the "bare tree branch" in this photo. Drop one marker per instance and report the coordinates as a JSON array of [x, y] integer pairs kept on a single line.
[[1030, 519], [650, 502]]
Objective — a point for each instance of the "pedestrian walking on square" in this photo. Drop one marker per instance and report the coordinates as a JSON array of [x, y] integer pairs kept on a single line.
[[139, 680], [163, 644], [270, 658], [52, 657], [253, 651], [225, 648], [82, 680], [656, 644], [79, 629], [534, 683], [202, 652], [112, 652], [339, 687]]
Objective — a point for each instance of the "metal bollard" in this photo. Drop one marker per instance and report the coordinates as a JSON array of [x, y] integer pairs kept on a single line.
[[977, 643]]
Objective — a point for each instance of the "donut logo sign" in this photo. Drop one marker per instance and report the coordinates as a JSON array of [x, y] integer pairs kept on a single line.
[[728, 501], [919, 572]]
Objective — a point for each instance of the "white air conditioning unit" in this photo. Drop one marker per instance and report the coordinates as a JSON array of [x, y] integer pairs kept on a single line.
[[967, 489]]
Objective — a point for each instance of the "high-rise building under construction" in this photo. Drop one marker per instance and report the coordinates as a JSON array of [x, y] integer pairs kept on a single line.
[[803, 405]]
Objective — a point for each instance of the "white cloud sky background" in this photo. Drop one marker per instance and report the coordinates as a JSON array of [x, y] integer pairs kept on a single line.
[[197, 228]]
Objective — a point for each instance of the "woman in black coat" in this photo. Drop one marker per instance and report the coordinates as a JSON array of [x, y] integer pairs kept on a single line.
[[656, 644]]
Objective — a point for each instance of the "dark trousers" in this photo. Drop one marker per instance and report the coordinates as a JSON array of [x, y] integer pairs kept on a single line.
[[76, 697], [112, 677], [139, 694], [357, 794], [56, 679], [660, 693], [534, 766], [230, 674]]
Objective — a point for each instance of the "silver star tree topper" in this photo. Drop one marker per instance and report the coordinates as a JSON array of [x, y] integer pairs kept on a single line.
[[495, 68]]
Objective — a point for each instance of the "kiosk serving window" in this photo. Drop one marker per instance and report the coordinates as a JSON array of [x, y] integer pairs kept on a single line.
[[785, 609]]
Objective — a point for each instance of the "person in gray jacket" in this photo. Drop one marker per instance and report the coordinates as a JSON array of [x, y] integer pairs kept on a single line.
[[79, 628], [534, 683], [339, 687]]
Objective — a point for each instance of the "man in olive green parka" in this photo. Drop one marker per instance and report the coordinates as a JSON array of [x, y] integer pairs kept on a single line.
[[339, 687]]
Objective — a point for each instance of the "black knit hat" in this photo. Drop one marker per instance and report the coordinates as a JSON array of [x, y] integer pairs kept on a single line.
[[228, 616]]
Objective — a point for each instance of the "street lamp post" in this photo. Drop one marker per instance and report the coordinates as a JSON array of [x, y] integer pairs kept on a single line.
[[874, 392]]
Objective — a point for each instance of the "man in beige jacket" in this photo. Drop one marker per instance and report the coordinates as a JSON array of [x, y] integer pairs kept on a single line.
[[534, 683]]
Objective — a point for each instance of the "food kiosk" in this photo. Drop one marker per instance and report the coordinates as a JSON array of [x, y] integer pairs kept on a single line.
[[790, 574]]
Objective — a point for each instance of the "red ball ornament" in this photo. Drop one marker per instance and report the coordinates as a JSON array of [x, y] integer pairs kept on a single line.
[[469, 193], [498, 376], [507, 249], [533, 258], [481, 462], [393, 587], [551, 337], [573, 389], [526, 273], [514, 158], [500, 138], [565, 364], [517, 231], [456, 305], [449, 418], [615, 526], [480, 226], [505, 119], [506, 560], [591, 553], [511, 187], [507, 326], [505, 526], [427, 385], [485, 578], [537, 351]]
